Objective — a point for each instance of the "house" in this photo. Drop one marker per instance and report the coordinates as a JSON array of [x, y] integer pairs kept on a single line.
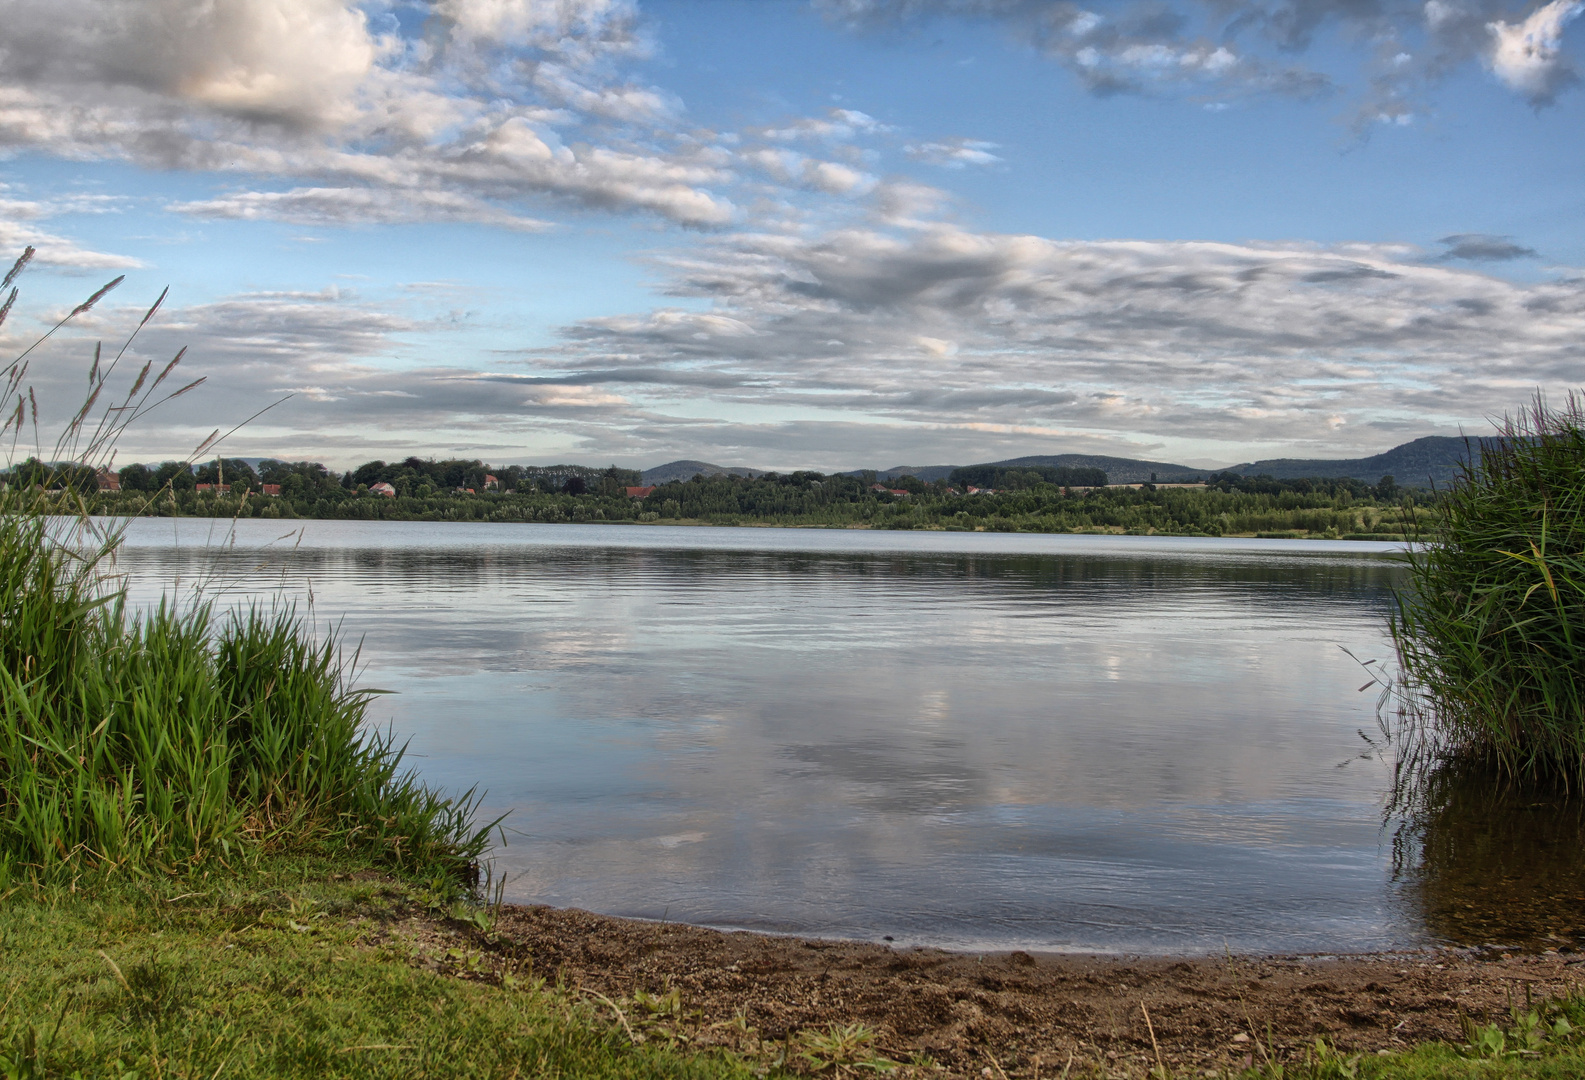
[[216, 489], [382, 488], [899, 492], [108, 481], [491, 483], [981, 491], [640, 492], [270, 489]]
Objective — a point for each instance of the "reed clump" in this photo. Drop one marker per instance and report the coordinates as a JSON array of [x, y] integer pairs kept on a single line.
[[170, 738], [1491, 634]]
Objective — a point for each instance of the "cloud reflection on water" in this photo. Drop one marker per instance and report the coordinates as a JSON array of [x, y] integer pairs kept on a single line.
[[1077, 745]]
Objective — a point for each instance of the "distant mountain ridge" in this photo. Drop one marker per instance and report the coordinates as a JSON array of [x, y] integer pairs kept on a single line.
[[1434, 459], [1118, 470], [927, 473]]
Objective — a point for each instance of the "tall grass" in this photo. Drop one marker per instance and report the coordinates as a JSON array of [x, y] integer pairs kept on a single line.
[[1491, 635], [179, 736]]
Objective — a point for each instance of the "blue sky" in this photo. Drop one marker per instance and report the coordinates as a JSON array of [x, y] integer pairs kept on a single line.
[[804, 233]]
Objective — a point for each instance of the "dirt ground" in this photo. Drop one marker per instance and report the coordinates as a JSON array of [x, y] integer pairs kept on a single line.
[[999, 1015]]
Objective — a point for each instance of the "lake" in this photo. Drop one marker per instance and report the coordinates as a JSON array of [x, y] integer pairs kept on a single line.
[[972, 740]]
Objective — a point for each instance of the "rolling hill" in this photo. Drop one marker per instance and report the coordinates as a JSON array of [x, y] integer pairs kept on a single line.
[[688, 469]]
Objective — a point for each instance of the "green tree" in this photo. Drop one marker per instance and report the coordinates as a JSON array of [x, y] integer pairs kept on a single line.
[[233, 471], [177, 475], [137, 477]]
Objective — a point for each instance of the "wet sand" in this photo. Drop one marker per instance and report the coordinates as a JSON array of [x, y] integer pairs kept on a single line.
[[1016, 1014]]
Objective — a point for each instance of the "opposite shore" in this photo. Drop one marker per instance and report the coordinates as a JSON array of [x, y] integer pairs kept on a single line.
[[1323, 512]]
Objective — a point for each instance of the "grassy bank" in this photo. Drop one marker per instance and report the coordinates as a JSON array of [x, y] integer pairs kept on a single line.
[[297, 967]]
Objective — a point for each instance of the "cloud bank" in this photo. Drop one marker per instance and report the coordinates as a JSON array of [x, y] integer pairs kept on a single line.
[[869, 343]]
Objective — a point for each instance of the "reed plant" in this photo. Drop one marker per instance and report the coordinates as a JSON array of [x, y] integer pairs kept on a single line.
[[179, 736], [1491, 633]]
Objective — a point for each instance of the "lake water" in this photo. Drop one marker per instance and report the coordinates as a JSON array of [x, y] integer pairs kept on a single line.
[[964, 739]]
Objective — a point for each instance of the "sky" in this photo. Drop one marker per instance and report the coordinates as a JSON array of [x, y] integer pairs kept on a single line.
[[827, 234]]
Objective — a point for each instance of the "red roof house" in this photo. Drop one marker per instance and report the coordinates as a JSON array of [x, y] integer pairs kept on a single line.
[[640, 492]]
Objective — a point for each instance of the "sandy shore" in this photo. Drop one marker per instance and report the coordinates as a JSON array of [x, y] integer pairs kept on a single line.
[[1016, 1014]]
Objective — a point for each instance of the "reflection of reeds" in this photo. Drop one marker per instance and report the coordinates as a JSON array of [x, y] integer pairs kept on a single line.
[[1487, 861], [1491, 635], [179, 736]]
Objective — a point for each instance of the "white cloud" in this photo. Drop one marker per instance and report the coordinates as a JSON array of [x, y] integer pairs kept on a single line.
[[1243, 47], [904, 204], [1527, 55], [791, 167], [328, 94], [573, 397], [335, 206], [19, 229], [54, 250], [954, 153], [835, 179], [1147, 48], [1130, 48], [541, 23], [838, 125], [626, 102]]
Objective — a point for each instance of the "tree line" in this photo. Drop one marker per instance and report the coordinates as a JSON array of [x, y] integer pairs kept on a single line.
[[1040, 499]]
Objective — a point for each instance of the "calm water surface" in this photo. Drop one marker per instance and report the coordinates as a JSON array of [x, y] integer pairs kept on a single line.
[[962, 739]]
